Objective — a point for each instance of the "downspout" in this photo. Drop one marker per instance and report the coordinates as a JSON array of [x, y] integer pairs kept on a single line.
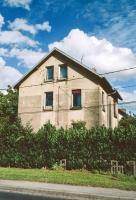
[[107, 111], [99, 107], [58, 107]]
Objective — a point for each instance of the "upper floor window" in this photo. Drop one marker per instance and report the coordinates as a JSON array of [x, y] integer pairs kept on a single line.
[[115, 108], [103, 102], [76, 97], [48, 100], [63, 72], [50, 73]]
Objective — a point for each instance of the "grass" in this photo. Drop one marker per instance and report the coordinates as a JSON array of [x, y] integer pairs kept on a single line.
[[69, 177]]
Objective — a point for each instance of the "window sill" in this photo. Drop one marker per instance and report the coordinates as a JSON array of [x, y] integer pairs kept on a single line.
[[48, 109], [62, 79], [46, 81], [76, 108]]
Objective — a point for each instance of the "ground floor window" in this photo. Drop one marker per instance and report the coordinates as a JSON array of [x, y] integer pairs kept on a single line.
[[49, 100], [76, 98]]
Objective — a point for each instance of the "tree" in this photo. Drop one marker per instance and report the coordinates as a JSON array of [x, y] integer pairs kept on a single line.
[[9, 105], [128, 121]]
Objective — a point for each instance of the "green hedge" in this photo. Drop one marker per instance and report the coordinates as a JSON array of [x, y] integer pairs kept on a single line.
[[82, 148]]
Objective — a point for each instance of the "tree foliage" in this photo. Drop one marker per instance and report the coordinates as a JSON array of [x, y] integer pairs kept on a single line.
[[82, 148], [9, 105]]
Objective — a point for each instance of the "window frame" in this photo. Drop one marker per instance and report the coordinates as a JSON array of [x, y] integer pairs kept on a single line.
[[60, 66], [48, 107], [103, 101], [48, 80], [78, 106], [115, 108]]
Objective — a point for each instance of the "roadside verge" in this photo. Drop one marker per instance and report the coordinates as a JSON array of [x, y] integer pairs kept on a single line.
[[65, 191]]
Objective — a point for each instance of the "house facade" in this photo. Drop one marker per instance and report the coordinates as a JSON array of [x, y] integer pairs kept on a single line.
[[122, 113], [62, 90]]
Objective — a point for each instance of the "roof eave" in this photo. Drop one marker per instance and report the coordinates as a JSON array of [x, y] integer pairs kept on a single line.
[[111, 90]]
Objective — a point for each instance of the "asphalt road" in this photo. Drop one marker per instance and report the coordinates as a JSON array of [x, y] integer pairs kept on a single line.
[[17, 196]]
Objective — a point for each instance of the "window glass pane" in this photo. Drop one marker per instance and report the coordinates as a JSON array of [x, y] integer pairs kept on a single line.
[[103, 106], [76, 98], [49, 73], [49, 99], [63, 71], [102, 98], [114, 108]]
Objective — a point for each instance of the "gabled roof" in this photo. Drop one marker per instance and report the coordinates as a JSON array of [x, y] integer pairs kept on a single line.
[[102, 80], [123, 112]]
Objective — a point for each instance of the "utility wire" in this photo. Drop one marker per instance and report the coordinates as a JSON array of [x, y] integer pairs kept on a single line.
[[34, 85], [127, 86], [117, 71], [66, 109], [111, 72]]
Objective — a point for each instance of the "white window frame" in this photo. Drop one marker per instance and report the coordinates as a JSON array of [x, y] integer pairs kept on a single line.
[[61, 78], [115, 108], [78, 107], [46, 74], [44, 101], [103, 101]]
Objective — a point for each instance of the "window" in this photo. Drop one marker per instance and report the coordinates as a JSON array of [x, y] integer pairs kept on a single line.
[[103, 106], [63, 72], [50, 73], [115, 108], [48, 100], [76, 98]]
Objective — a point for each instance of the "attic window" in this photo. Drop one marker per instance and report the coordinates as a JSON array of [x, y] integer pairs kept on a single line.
[[50, 73], [63, 71]]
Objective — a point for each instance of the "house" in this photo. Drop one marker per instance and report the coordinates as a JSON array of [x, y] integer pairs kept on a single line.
[[61, 90], [122, 113]]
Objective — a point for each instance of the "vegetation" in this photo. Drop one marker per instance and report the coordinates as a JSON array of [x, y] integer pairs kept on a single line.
[[69, 177], [83, 149]]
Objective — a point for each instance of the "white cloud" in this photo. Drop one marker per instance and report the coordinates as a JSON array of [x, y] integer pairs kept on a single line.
[[20, 24], [15, 37], [3, 52], [27, 57], [96, 53], [8, 74], [44, 26], [18, 3], [1, 21], [2, 62], [128, 96]]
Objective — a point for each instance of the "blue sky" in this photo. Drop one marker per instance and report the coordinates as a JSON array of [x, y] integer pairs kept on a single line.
[[102, 31]]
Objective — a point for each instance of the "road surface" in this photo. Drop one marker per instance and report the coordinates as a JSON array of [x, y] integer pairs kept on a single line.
[[11, 190], [17, 196]]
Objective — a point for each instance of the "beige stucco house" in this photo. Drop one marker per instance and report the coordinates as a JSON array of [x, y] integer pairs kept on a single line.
[[61, 90], [122, 113]]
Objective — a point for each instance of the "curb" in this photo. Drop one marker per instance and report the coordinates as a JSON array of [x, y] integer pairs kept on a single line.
[[60, 194]]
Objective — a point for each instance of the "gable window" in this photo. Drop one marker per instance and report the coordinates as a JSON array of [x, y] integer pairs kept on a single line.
[[50, 73], [103, 106], [63, 72], [49, 100], [76, 98]]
